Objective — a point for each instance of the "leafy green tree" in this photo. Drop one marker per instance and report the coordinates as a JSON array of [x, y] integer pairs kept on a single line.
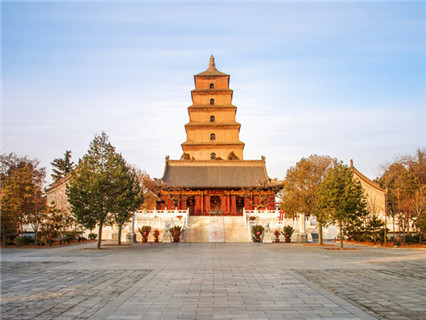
[[301, 184], [405, 180], [22, 199], [129, 197], [98, 185], [62, 166], [341, 198]]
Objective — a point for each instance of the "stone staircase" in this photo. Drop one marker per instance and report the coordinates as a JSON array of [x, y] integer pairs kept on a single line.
[[217, 229]]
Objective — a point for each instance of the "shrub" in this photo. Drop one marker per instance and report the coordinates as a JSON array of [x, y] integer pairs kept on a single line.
[[144, 231], [24, 241], [277, 234], [176, 232], [288, 231], [68, 238], [80, 238], [156, 235], [412, 238], [92, 236], [257, 231]]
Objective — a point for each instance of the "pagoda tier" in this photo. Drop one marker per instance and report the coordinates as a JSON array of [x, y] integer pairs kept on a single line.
[[212, 131]]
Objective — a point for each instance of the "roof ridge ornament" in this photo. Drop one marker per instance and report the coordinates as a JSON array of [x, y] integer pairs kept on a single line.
[[212, 64]]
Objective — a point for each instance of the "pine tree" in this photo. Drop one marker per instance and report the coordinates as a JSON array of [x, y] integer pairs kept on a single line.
[[341, 198], [62, 167]]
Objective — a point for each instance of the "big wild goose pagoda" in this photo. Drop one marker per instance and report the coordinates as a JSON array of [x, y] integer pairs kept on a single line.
[[212, 177]]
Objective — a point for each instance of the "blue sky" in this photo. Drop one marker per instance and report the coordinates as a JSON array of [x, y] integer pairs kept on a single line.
[[341, 79]]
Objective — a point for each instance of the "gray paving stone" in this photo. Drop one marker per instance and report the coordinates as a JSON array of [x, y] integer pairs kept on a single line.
[[212, 281]]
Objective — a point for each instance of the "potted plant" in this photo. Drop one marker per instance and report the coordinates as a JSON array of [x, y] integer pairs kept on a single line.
[[176, 232], [277, 235], [144, 231], [257, 231], [288, 231], [156, 235]]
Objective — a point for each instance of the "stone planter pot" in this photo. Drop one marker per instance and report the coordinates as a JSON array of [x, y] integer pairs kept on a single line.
[[287, 239], [144, 239], [277, 240]]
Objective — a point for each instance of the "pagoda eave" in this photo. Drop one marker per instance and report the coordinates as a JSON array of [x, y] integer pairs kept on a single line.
[[209, 106], [210, 144], [214, 125]]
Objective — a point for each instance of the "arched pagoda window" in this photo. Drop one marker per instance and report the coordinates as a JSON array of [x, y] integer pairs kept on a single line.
[[212, 119], [211, 85], [212, 137], [211, 102], [213, 156]]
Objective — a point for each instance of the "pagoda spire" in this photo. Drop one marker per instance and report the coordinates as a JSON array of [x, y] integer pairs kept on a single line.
[[212, 65]]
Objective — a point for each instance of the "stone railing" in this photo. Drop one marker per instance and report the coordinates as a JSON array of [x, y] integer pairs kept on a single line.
[[159, 218], [276, 220]]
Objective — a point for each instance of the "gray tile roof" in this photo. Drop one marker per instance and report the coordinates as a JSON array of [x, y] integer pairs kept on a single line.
[[214, 176]]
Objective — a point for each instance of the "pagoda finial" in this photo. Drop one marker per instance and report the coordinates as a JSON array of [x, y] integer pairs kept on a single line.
[[211, 64]]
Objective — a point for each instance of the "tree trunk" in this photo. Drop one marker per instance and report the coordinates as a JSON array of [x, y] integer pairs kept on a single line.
[[385, 240], [403, 231], [341, 234], [36, 236], [5, 235], [119, 234], [320, 241], [99, 236]]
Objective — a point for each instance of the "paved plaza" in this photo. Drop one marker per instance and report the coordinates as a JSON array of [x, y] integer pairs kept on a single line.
[[213, 281]]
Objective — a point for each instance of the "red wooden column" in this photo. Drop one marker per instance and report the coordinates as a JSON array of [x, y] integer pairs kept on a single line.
[[183, 202], [197, 207], [207, 204], [223, 203], [233, 205], [202, 203], [228, 206], [271, 205], [247, 205], [256, 200], [167, 202]]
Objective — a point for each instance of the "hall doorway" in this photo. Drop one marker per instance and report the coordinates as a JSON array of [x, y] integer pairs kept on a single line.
[[215, 203], [240, 205], [190, 204]]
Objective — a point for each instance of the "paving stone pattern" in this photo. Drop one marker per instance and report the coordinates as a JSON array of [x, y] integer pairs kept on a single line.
[[212, 281], [44, 291], [396, 291]]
